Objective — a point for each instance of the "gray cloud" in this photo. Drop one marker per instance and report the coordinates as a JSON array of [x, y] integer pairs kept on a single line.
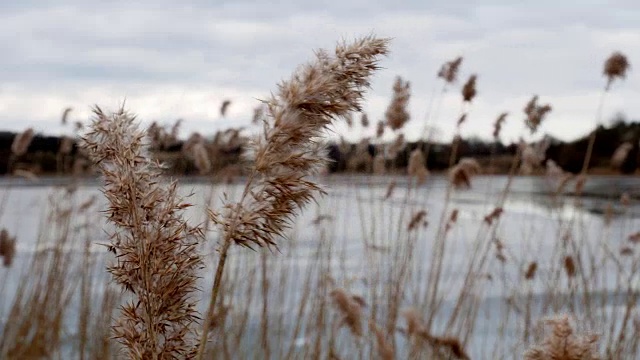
[[173, 60]]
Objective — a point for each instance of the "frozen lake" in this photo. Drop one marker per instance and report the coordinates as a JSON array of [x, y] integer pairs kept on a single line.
[[361, 237]]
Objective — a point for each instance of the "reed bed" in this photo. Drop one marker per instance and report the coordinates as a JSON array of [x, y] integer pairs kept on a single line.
[[277, 266]]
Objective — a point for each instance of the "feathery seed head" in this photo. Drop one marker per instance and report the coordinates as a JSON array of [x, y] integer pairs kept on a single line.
[[449, 70], [469, 89], [535, 113], [22, 141], [155, 248], [615, 67], [397, 114]]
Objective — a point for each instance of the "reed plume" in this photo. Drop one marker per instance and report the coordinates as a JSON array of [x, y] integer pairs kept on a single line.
[[535, 113], [7, 248], [289, 150], [449, 70], [21, 142], [154, 247], [497, 125], [615, 67], [564, 344], [469, 89], [350, 308], [397, 114]]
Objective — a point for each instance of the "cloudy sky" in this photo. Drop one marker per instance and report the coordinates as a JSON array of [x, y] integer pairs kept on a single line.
[[173, 59]]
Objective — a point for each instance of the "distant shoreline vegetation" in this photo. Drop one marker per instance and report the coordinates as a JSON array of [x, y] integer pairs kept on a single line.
[[222, 154]]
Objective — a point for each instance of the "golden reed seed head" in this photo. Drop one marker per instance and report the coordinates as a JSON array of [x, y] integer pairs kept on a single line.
[[7, 248], [497, 125], [569, 266], [417, 219], [224, 107], [535, 113], [531, 270], [562, 343], [351, 309], [469, 89], [449, 70], [615, 67], [494, 215], [155, 248], [288, 151], [22, 141], [397, 114]]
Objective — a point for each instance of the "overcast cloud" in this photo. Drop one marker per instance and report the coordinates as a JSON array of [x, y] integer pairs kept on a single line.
[[181, 60]]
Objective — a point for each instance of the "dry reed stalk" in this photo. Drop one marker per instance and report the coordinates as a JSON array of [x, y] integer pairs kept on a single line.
[[34, 326], [397, 114], [615, 67], [563, 344], [390, 188], [155, 248], [288, 152], [385, 349]]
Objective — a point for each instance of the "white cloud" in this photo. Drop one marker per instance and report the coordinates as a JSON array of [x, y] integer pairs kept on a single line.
[[175, 60]]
